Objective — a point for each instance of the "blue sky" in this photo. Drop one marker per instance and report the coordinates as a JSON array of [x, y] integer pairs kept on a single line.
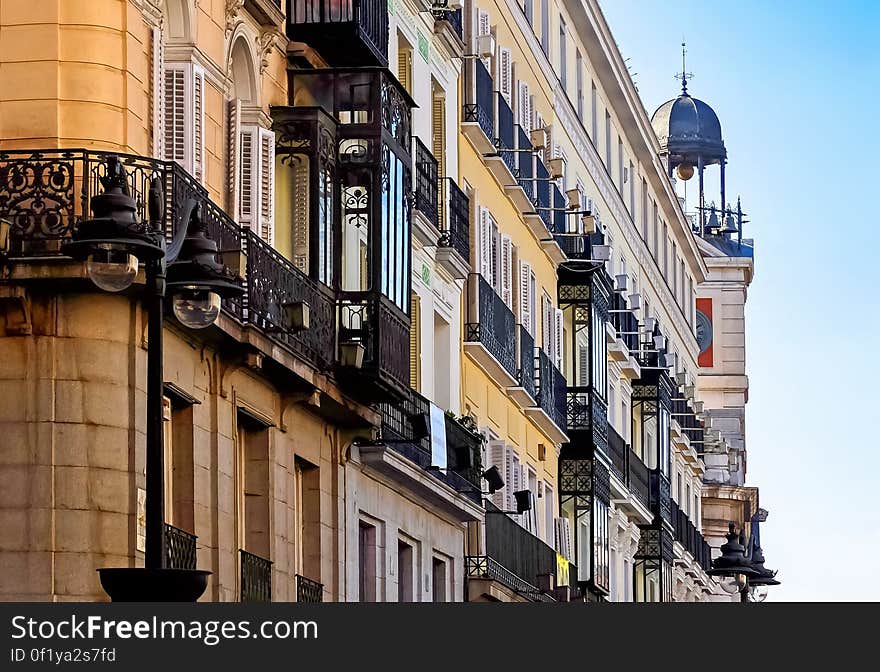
[[795, 86]]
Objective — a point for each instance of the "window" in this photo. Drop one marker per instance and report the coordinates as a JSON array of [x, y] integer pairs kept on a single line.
[[404, 62], [531, 522], [252, 481], [179, 465], [529, 11], [696, 510], [438, 127], [439, 579], [687, 500], [549, 527], [579, 79], [367, 562], [255, 168], [405, 570], [183, 117], [526, 296], [656, 236], [621, 177], [562, 54], [415, 343], [665, 253], [678, 498], [612, 406], [632, 191], [595, 113], [644, 210], [608, 141], [307, 482], [599, 354], [675, 272], [445, 348], [545, 26]]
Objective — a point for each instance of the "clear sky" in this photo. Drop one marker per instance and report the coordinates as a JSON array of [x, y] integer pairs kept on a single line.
[[795, 84]]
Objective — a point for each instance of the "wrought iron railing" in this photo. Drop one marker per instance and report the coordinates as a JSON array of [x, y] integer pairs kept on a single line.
[[455, 224], [180, 548], [690, 537], [551, 387], [639, 478], [525, 374], [256, 578], [485, 567], [426, 183], [491, 323], [619, 454], [559, 217], [482, 109], [504, 137], [308, 590], [661, 496], [525, 171], [542, 193]]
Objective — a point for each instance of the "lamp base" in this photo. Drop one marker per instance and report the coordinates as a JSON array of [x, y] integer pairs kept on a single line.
[[139, 584]]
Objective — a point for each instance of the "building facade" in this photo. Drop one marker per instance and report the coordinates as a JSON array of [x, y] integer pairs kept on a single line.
[[461, 248]]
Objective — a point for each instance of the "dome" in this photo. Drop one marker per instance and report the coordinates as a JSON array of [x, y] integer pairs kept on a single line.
[[688, 127]]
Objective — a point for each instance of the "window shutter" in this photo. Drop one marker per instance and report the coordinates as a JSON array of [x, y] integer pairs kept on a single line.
[[198, 117], [513, 478], [558, 336], [507, 270], [415, 350], [157, 91], [438, 131], [538, 122], [404, 67], [174, 117], [505, 73], [547, 325], [247, 160], [485, 245], [267, 185], [498, 458], [484, 28], [233, 167], [525, 303], [583, 365], [524, 107], [563, 537]]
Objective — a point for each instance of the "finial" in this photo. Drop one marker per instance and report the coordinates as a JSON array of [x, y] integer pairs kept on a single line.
[[684, 74]]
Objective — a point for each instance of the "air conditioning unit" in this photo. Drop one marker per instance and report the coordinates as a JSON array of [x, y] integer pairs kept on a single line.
[[680, 378], [650, 324], [689, 391], [660, 342], [485, 46], [574, 199], [698, 406], [588, 224], [621, 283], [635, 301], [669, 360], [538, 138], [556, 168], [601, 252]]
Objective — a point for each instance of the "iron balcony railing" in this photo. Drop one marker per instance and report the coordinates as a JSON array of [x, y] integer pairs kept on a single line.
[[559, 217], [619, 454], [661, 496], [463, 468], [180, 548], [491, 323], [639, 481], [256, 578], [551, 388], [427, 200], [360, 25], [525, 375], [455, 222], [542, 193], [505, 135], [308, 590], [482, 109], [525, 163], [690, 537]]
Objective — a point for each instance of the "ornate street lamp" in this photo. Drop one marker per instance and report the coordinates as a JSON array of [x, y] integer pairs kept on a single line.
[[746, 567], [113, 244]]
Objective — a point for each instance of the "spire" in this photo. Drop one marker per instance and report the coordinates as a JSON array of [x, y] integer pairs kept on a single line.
[[684, 74]]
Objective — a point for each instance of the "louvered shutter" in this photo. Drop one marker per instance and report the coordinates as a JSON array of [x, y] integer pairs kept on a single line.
[[513, 478], [233, 160], [546, 325], [247, 160], [438, 132], [415, 350], [404, 67], [157, 91], [174, 116], [498, 458], [484, 28], [525, 304], [524, 107], [558, 337], [485, 245], [563, 537], [583, 365], [266, 178], [505, 74], [549, 532], [507, 270], [198, 122]]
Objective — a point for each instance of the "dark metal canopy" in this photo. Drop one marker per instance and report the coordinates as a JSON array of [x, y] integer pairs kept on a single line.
[[687, 127]]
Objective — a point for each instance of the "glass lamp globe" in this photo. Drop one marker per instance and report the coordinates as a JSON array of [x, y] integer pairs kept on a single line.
[[685, 171], [758, 593], [111, 269], [196, 308]]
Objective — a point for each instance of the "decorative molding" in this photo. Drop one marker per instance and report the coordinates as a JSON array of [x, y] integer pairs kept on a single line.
[[233, 7], [269, 39]]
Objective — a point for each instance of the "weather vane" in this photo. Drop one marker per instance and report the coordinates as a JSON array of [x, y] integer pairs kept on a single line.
[[684, 74]]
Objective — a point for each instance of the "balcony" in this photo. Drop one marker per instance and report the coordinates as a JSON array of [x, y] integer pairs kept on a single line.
[[454, 247], [478, 115], [524, 392], [403, 453], [691, 540], [639, 478], [325, 25], [549, 414], [558, 220], [502, 161], [515, 558], [489, 333], [426, 184], [308, 591], [523, 192], [180, 548], [661, 497], [256, 578], [619, 454]]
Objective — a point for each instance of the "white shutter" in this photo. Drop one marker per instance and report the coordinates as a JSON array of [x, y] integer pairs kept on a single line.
[[515, 482], [549, 532], [174, 116], [546, 324], [484, 28], [249, 169], [198, 128], [538, 122], [233, 159], [509, 479], [524, 107], [157, 90], [558, 337], [525, 302], [497, 457], [507, 270], [505, 74], [563, 537], [266, 178], [485, 245]]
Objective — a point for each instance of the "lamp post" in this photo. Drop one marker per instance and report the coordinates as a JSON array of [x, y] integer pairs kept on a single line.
[[113, 243], [748, 570]]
